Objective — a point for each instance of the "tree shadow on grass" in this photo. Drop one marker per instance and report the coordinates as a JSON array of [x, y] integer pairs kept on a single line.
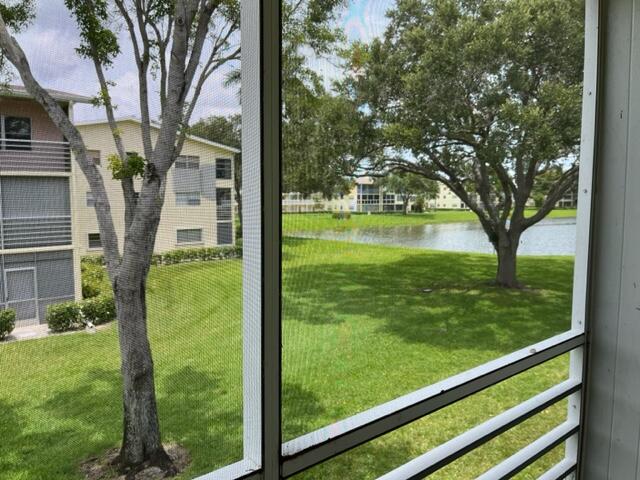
[[443, 300], [86, 420], [301, 410]]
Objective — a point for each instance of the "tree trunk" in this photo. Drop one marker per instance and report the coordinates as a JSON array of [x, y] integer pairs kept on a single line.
[[507, 250], [405, 207], [141, 444]]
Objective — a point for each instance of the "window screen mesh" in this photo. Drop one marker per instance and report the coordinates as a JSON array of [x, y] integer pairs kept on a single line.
[[61, 394], [414, 247]]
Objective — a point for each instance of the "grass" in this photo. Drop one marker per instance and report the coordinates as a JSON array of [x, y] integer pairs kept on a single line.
[[309, 222], [358, 330]]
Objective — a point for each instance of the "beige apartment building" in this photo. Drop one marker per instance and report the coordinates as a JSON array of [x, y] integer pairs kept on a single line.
[[198, 209]]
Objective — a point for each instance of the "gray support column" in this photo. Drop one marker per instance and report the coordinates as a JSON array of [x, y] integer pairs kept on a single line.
[[260, 24], [611, 435]]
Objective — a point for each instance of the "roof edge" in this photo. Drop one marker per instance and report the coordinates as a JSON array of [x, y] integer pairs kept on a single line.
[[156, 125]]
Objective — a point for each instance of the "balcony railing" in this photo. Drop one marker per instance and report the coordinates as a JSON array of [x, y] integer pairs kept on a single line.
[[224, 213], [29, 232], [34, 155]]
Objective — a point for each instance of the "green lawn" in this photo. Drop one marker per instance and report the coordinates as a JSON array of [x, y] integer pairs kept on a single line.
[[307, 222], [358, 330]]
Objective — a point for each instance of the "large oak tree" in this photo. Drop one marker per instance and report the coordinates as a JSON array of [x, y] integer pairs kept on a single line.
[[483, 96]]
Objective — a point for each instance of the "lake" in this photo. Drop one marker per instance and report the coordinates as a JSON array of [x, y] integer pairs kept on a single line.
[[553, 236]]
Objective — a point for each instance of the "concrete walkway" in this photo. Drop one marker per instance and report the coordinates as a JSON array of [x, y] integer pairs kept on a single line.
[[28, 333]]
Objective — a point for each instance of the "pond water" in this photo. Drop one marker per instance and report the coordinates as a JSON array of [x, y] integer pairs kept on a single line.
[[554, 236]]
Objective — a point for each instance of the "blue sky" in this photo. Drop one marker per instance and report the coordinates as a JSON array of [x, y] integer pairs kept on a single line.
[[50, 46]]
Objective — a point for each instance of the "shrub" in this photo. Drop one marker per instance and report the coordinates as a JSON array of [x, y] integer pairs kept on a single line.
[[62, 317], [94, 280], [168, 258], [341, 215], [98, 310], [7, 322]]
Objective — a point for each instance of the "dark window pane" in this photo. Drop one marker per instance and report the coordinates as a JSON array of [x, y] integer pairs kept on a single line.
[[223, 169], [191, 235], [94, 240], [18, 129]]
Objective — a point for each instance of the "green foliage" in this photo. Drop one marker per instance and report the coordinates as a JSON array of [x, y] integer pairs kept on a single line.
[[133, 167], [187, 255], [98, 310], [7, 322], [92, 263], [94, 277], [99, 42], [408, 184], [63, 317], [17, 14], [476, 90]]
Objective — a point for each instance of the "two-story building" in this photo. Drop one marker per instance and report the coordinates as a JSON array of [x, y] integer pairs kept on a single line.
[[198, 209], [39, 264]]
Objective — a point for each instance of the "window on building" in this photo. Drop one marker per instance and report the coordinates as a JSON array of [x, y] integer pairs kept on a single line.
[[225, 233], [91, 202], [188, 198], [17, 132], [187, 162], [94, 155], [189, 235], [94, 240], [223, 203], [223, 168]]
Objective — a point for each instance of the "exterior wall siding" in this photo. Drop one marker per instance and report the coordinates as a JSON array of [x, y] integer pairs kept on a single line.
[[38, 262], [174, 217], [611, 440]]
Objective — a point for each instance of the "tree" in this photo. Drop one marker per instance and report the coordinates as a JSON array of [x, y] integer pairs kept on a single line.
[[483, 96], [323, 134], [228, 131], [407, 185], [180, 43]]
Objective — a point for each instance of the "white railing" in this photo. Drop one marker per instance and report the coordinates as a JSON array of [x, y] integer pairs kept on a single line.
[[29, 232], [34, 155]]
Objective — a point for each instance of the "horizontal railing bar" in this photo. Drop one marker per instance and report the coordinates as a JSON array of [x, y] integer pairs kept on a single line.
[[242, 470], [320, 445], [559, 471], [48, 217], [54, 142], [529, 454], [450, 451]]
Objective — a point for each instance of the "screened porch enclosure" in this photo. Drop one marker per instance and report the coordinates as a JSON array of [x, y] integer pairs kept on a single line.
[[608, 79]]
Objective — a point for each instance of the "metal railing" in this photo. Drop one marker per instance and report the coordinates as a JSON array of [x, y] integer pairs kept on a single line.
[[224, 212], [29, 232], [34, 156]]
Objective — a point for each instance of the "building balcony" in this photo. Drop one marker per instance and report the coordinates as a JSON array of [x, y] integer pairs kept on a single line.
[[32, 232], [34, 156]]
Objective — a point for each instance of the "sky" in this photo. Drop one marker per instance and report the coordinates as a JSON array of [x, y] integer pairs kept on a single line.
[[51, 40]]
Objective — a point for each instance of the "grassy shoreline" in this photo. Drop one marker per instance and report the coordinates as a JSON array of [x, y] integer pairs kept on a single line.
[[310, 222], [359, 329]]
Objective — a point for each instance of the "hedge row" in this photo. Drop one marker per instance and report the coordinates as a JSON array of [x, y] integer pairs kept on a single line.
[[66, 316], [184, 255]]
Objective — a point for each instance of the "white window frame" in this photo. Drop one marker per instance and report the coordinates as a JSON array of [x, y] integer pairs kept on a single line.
[[89, 247], [265, 456], [3, 144], [190, 162], [230, 169]]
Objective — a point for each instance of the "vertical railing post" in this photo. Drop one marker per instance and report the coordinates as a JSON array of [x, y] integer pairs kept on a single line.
[[585, 207], [260, 26]]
